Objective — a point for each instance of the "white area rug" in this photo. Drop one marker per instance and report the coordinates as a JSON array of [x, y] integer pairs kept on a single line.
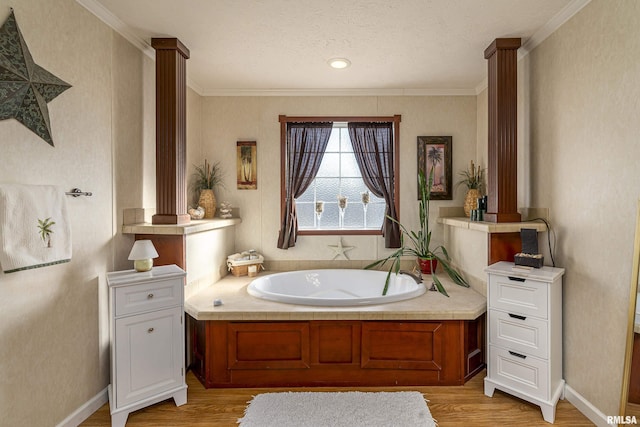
[[343, 409]]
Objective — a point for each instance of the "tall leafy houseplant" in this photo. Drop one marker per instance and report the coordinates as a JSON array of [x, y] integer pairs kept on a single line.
[[473, 179], [205, 178], [418, 243]]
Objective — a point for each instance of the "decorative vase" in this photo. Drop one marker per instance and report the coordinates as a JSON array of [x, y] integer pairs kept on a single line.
[[427, 266], [471, 201], [208, 202]]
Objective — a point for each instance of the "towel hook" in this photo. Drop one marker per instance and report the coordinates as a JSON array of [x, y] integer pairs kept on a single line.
[[76, 192]]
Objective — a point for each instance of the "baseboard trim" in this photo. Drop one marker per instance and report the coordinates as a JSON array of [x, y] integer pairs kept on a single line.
[[86, 410], [585, 407]]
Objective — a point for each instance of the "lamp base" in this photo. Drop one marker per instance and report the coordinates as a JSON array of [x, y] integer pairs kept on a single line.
[[143, 264]]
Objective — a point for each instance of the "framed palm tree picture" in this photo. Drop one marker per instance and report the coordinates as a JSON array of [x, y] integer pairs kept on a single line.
[[247, 165], [434, 153]]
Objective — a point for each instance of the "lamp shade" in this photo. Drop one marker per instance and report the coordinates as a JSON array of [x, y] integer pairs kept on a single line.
[[142, 255], [142, 249]]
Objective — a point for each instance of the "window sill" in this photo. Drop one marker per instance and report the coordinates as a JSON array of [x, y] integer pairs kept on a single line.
[[339, 232]]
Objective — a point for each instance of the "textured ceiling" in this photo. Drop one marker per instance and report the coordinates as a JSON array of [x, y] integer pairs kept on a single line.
[[284, 45]]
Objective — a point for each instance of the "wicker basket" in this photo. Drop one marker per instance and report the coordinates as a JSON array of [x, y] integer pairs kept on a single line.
[[243, 270], [241, 267]]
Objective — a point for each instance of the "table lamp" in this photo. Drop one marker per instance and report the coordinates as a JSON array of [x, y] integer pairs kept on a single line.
[[142, 254]]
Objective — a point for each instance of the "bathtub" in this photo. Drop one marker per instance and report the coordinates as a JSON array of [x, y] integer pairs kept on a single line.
[[334, 287]]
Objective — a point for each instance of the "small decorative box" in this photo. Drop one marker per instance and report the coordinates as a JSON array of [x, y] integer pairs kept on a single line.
[[529, 256]]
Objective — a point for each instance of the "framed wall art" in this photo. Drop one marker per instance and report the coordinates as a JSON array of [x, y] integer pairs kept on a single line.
[[434, 152], [247, 165]]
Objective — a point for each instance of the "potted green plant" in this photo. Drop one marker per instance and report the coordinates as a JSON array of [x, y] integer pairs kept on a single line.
[[473, 179], [418, 244], [205, 178]]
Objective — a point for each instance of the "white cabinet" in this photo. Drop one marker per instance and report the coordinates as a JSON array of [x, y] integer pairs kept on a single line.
[[146, 312], [524, 337]]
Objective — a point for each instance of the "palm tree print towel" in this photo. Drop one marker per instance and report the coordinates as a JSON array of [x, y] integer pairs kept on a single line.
[[34, 227]]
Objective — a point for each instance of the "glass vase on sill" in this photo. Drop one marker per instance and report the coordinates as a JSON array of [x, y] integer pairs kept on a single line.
[[319, 210], [342, 205], [365, 203]]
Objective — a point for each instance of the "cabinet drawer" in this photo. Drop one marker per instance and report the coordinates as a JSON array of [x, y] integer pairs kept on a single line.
[[522, 334], [148, 296], [525, 373], [515, 295]]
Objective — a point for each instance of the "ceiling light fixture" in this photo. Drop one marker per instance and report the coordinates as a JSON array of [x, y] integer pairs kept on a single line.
[[339, 63]]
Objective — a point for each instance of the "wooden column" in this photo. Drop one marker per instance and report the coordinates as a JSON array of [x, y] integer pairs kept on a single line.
[[171, 131], [502, 190]]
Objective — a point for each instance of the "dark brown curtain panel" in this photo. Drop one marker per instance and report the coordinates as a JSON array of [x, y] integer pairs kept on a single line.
[[373, 148], [305, 147]]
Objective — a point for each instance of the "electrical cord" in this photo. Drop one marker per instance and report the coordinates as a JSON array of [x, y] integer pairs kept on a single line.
[[550, 231]]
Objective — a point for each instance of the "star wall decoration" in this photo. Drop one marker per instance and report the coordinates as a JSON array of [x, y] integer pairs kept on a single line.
[[339, 249], [25, 87]]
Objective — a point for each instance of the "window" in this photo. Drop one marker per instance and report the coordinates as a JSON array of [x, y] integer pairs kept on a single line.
[[318, 208], [320, 162]]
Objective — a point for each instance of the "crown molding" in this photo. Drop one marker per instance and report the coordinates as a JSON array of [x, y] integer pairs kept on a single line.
[[482, 86], [339, 92], [545, 31], [551, 26], [117, 25]]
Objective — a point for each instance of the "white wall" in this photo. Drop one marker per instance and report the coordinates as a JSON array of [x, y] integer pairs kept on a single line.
[[53, 341], [229, 119], [584, 130], [194, 138]]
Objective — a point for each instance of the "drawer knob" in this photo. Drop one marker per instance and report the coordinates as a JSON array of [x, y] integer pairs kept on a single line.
[[516, 279], [521, 356], [150, 330], [517, 316], [149, 296]]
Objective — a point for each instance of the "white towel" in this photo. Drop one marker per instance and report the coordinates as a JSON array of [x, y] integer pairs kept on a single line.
[[34, 227]]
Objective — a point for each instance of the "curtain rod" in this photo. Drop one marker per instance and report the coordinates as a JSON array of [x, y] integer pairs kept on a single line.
[[287, 119]]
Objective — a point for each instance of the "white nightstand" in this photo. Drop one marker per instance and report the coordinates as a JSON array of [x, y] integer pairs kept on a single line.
[[146, 321], [524, 334]]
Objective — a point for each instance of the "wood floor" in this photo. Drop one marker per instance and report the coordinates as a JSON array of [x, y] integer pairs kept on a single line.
[[633, 409], [450, 406]]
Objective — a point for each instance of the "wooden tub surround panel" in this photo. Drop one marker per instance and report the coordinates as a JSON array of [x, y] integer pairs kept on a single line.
[[335, 353], [268, 346]]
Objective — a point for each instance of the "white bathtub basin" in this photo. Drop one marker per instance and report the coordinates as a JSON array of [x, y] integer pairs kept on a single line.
[[334, 287]]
